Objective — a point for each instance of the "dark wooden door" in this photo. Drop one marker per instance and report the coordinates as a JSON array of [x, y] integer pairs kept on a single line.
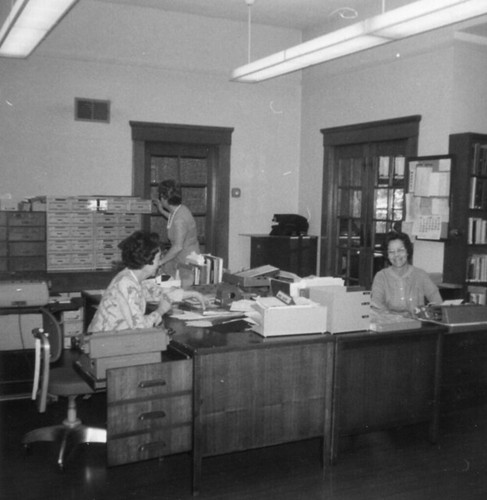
[[364, 186]]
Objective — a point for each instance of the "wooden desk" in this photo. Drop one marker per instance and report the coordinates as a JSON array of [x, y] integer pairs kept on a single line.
[[249, 391], [384, 380]]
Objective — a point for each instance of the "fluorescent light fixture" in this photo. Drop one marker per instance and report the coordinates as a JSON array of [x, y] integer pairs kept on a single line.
[[28, 22], [412, 19]]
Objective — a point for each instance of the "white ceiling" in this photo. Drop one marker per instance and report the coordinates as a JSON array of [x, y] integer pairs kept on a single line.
[[299, 14], [295, 14]]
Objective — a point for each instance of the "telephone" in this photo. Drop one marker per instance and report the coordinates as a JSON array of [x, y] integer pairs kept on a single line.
[[289, 225]]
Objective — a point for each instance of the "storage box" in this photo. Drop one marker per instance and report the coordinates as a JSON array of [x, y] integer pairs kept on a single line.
[[348, 311], [123, 342], [98, 367], [276, 320]]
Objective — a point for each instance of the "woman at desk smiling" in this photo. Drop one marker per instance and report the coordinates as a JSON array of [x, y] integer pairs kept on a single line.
[[401, 288], [123, 304]]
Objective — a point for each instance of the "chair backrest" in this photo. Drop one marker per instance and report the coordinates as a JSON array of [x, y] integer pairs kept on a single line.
[[54, 333], [49, 347]]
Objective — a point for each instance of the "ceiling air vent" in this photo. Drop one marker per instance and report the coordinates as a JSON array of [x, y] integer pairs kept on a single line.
[[91, 110]]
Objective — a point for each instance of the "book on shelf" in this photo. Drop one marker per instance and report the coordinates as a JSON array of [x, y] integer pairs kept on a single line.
[[478, 193], [477, 268], [477, 294], [477, 231], [479, 159]]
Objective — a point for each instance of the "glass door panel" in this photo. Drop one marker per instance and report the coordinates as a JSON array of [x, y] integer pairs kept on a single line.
[[189, 167]]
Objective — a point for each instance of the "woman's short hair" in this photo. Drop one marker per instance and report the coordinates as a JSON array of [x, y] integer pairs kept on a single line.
[[139, 249], [396, 235], [170, 190]]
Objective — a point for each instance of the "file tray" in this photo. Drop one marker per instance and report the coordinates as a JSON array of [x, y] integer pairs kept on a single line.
[[257, 277], [273, 319], [125, 342], [458, 318]]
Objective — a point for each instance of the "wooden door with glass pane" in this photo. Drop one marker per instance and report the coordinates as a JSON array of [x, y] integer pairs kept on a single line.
[[187, 165], [364, 188]]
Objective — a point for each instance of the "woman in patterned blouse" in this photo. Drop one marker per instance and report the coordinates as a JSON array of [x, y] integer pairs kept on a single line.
[[123, 304]]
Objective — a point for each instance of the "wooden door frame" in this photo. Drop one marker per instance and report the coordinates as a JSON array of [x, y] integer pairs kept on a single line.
[[406, 128], [218, 140]]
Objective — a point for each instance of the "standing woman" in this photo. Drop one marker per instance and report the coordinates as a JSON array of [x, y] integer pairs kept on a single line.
[[181, 231], [402, 287]]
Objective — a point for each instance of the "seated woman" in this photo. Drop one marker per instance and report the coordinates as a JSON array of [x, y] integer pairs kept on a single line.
[[401, 288], [123, 304]]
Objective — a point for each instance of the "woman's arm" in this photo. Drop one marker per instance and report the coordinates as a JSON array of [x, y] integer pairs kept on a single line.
[[177, 242]]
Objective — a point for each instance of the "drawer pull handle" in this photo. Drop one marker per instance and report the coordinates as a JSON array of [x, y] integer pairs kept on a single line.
[[151, 383], [149, 446], [152, 415]]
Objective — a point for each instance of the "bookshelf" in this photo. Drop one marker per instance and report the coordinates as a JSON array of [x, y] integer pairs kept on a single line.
[[465, 258]]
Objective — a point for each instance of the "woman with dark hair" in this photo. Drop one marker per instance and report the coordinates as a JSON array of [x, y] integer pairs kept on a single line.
[[181, 231], [401, 287], [123, 304]]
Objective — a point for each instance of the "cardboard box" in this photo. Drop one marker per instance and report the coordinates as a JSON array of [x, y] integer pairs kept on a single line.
[[124, 342], [348, 311], [276, 320]]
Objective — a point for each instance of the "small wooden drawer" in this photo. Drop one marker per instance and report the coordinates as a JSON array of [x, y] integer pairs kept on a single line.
[[26, 218], [34, 233], [147, 415], [27, 264], [149, 445], [26, 248], [146, 381]]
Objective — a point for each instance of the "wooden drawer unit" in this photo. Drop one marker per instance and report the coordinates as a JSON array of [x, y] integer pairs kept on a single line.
[[22, 241], [149, 410]]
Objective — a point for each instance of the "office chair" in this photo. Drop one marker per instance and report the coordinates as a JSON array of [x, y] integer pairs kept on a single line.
[[56, 381]]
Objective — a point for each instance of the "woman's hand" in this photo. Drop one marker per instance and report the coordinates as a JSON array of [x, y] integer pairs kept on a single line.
[[164, 306], [190, 294]]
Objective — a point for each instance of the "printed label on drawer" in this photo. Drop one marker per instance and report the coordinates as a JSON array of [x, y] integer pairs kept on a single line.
[[82, 258], [105, 219], [124, 231], [58, 204], [58, 232], [58, 259], [82, 231], [82, 218], [82, 245], [84, 204], [58, 218], [106, 231], [54, 246], [117, 205], [108, 244]]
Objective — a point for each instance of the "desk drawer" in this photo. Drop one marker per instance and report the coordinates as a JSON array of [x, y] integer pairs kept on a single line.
[[147, 415], [149, 381], [149, 445]]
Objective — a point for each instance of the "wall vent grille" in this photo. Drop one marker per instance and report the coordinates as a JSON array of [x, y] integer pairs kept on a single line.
[[91, 110]]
